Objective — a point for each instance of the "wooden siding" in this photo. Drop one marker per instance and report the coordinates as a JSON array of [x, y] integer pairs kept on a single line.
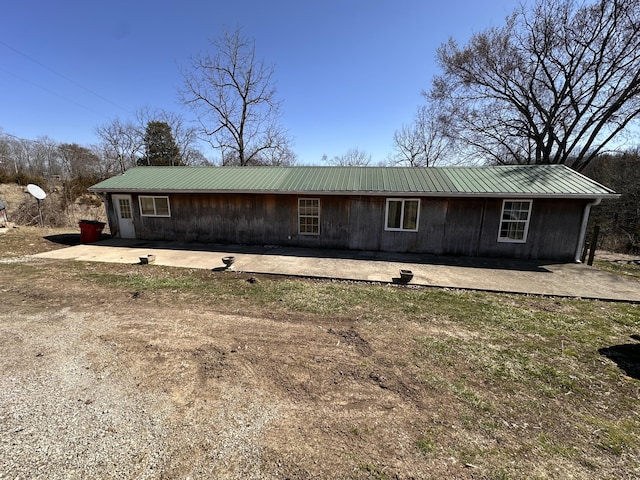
[[447, 226]]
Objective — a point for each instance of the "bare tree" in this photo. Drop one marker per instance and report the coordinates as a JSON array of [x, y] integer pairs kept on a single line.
[[185, 137], [39, 158], [423, 143], [281, 156], [45, 151], [107, 165], [122, 142], [556, 84], [18, 154], [5, 156], [78, 161], [196, 157], [353, 158], [234, 97]]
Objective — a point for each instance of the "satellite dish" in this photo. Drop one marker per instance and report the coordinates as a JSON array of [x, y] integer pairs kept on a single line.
[[36, 191]]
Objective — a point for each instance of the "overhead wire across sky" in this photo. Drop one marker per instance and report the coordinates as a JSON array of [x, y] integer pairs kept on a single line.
[[348, 73], [62, 76]]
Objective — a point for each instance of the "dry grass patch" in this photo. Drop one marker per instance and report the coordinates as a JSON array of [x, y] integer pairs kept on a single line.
[[321, 379]]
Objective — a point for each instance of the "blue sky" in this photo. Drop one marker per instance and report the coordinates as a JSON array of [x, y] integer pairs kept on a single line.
[[349, 72]]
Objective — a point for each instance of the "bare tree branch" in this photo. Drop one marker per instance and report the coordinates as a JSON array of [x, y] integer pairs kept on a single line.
[[557, 83], [122, 141], [425, 142], [352, 158], [234, 97]]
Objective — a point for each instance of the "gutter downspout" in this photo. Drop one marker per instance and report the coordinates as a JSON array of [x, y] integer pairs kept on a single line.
[[583, 228]]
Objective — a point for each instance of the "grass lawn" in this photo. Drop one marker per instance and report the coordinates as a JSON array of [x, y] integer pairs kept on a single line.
[[485, 385]]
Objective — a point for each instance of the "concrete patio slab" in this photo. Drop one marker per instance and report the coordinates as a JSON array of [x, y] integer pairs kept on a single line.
[[496, 275]]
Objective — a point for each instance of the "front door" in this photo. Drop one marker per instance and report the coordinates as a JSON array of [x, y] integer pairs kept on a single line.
[[125, 216]]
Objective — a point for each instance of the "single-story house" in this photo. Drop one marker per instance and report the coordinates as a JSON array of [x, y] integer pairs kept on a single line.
[[523, 211]]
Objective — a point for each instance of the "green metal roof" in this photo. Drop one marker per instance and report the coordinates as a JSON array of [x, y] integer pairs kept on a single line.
[[511, 180]]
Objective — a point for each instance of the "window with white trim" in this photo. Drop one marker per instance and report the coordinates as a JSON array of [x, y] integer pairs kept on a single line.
[[125, 208], [514, 221], [154, 206], [309, 216], [402, 214]]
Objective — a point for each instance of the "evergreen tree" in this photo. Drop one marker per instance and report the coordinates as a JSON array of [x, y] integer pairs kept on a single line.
[[160, 148]]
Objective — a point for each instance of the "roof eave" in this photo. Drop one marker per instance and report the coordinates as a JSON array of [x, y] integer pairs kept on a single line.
[[363, 193]]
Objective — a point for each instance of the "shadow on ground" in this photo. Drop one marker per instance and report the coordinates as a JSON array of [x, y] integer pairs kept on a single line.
[[626, 356], [416, 258], [69, 239]]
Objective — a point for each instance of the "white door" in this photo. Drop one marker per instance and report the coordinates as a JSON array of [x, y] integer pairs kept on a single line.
[[125, 216]]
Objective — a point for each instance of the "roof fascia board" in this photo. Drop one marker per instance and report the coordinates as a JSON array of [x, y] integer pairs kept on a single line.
[[368, 194]]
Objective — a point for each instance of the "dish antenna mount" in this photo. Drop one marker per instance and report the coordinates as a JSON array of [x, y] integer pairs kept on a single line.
[[37, 192]]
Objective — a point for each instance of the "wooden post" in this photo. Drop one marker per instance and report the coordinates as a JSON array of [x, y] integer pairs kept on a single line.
[[594, 242], [585, 249], [40, 213]]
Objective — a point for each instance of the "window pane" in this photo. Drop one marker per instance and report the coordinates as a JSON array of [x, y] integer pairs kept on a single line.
[[313, 225], [147, 205], [394, 213], [410, 221], [162, 206], [514, 231], [309, 215], [309, 225], [309, 207], [515, 219], [125, 208]]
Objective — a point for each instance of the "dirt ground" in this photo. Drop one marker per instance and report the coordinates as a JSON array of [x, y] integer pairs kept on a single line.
[[21, 205], [183, 391], [110, 382]]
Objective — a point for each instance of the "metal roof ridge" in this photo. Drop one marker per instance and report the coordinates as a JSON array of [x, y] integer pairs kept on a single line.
[[506, 180]]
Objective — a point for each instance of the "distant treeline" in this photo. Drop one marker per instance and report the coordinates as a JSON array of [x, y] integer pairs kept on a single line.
[[73, 168], [619, 219]]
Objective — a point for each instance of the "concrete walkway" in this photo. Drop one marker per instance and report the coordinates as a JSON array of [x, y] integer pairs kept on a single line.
[[496, 275]]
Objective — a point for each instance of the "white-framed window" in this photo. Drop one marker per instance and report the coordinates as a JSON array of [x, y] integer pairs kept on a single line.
[[309, 216], [154, 206], [125, 207], [402, 214], [514, 221]]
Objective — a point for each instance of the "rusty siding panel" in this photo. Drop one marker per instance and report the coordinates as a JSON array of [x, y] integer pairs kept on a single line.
[[367, 221], [463, 226], [224, 218], [433, 218], [488, 245], [252, 219], [430, 235], [367, 228], [554, 230], [334, 224], [447, 226], [470, 227]]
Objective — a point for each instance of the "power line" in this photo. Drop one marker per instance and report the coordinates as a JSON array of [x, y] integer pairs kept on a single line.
[[64, 77], [48, 90]]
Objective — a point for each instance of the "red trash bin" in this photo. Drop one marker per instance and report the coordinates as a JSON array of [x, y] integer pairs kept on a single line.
[[90, 230]]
